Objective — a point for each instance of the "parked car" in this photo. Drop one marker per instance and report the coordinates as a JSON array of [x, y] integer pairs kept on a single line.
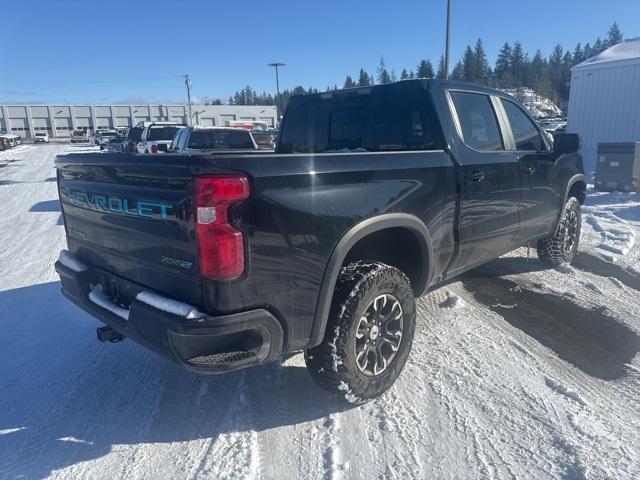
[[114, 144], [249, 124], [264, 139], [105, 137], [12, 139], [98, 134], [157, 136], [41, 137], [4, 144], [79, 136], [203, 139], [373, 196], [131, 139]]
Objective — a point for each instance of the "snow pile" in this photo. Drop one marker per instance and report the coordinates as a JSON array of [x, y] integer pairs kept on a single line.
[[98, 297], [170, 306], [538, 106], [451, 302], [610, 224], [69, 260]]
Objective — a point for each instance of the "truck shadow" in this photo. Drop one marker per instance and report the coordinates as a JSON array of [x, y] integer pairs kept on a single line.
[[46, 206], [65, 398], [589, 338]]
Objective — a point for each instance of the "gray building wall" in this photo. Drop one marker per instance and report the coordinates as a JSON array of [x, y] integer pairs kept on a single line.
[[604, 105], [61, 120]]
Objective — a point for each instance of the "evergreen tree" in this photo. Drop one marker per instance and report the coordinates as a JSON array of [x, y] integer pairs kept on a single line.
[[348, 82], [599, 46], [404, 75], [556, 70], [587, 51], [441, 72], [519, 63], [615, 36], [411, 74], [364, 79], [578, 54], [502, 70], [383, 73], [458, 72], [469, 66], [481, 64], [425, 69]]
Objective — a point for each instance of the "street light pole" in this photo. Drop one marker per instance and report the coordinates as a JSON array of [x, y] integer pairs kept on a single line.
[[276, 65], [187, 82], [446, 51]]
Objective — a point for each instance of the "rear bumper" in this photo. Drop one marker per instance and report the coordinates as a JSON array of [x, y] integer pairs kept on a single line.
[[211, 344]]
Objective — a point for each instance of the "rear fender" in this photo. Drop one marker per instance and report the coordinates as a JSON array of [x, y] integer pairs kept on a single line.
[[340, 252]]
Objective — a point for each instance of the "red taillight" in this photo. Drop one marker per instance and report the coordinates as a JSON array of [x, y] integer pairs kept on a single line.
[[221, 247], [154, 148]]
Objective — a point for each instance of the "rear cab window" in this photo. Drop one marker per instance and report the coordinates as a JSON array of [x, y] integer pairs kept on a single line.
[[478, 124], [162, 133], [363, 120], [220, 139]]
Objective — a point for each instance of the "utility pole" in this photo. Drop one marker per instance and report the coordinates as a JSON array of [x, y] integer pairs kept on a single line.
[[276, 65], [187, 82], [446, 51]]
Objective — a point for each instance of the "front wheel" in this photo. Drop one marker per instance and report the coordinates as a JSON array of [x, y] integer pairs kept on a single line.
[[369, 332], [561, 247]]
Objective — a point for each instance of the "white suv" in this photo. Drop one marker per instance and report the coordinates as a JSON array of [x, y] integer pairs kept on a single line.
[[41, 137], [157, 136]]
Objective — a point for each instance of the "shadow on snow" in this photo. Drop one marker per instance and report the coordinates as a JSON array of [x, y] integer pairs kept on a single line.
[[74, 399]]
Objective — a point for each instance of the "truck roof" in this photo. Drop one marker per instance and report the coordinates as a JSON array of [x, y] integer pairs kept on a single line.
[[410, 84]]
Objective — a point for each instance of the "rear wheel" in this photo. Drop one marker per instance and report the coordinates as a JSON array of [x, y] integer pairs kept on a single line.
[[369, 332], [561, 247]]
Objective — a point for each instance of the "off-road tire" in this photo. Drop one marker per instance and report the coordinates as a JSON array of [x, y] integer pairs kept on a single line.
[[332, 364], [560, 248]]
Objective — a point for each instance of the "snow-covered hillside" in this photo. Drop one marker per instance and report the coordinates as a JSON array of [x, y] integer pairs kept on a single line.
[[538, 106], [516, 372]]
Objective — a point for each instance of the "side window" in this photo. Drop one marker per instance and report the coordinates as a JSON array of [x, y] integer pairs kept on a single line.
[[477, 121], [526, 134], [175, 141], [182, 138]]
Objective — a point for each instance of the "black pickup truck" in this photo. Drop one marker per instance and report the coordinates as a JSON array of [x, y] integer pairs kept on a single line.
[[373, 196]]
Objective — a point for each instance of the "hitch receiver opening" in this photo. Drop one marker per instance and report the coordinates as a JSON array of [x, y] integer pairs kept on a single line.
[[108, 334]]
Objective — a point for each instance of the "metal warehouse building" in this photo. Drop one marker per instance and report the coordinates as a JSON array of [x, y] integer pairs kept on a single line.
[[60, 120], [604, 103]]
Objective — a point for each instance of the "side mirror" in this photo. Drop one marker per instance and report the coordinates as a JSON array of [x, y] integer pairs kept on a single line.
[[566, 143]]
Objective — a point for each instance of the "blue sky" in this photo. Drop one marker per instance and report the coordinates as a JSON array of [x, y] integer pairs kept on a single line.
[[115, 51]]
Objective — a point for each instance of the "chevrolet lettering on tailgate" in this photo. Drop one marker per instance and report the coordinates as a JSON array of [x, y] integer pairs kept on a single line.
[[117, 205]]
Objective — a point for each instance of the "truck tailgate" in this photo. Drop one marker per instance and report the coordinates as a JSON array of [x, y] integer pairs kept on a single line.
[[133, 216]]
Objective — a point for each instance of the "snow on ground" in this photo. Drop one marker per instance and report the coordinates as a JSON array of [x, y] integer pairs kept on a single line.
[[516, 372]]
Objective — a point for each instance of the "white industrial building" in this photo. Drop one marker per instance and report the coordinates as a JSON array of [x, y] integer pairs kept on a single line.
[[61, 120], [604, 103]]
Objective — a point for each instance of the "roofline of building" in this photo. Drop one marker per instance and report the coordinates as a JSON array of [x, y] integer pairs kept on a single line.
[[193, 105], [606, 63]]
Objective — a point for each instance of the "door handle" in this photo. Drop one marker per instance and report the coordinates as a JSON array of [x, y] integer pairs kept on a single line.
[[476, 176], [529, 170]]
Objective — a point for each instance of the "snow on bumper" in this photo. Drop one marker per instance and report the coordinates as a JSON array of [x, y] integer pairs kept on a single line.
[[176, 330]]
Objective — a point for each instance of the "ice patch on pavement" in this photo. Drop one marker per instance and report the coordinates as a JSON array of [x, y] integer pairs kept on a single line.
[[7, 431], [170, 306], [74, 440], [98, 297], [69, 260]]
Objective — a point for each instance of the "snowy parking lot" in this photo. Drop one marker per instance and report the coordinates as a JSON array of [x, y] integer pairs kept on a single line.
[[517, 371]]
